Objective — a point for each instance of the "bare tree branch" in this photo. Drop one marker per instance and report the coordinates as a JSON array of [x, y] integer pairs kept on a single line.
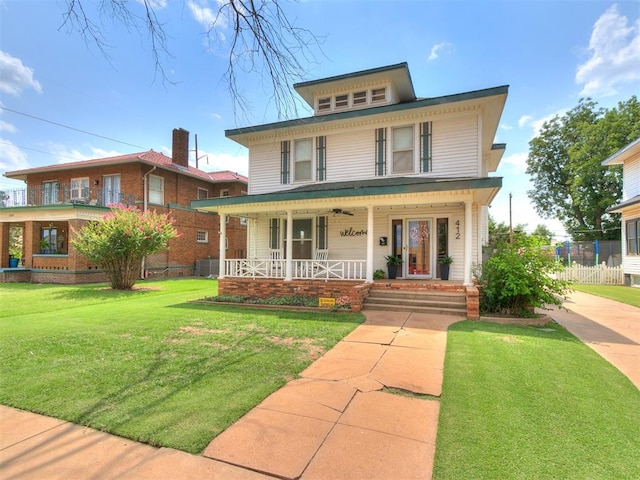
[[264, 42]]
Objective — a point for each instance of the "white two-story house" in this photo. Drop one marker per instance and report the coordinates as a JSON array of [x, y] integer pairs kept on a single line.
[[629, 158], [375, 172]]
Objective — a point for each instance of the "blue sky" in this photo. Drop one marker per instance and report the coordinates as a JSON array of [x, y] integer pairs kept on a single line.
[[550, 53]]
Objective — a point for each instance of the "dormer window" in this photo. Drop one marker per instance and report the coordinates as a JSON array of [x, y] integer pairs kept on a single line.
[[342, 101], [324, 104], [378, 94], [360, 98]]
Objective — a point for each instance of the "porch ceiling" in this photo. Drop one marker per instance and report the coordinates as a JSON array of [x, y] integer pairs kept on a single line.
[[52, 213], [353, 194]]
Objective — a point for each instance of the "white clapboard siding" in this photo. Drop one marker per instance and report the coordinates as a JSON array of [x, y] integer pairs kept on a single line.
[[350, 152], [595, 275], [631, 179]]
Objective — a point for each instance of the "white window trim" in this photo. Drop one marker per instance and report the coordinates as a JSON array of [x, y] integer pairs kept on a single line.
[[77, 193], [294, 161], [224, 192], [161, 179], [392, 151], [202, 240]]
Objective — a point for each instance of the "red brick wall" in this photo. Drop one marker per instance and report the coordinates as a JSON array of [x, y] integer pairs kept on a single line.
[[265, 288]]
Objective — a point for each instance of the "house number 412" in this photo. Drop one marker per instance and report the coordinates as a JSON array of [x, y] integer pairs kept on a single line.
[[457, 229]]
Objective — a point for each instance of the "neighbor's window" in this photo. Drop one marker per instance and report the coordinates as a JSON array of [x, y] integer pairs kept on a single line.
[[243, 221], [224, 193], [633, 232], [156, 189], [203, 193], [110, 189], [50, 192], [202, 236], [403, 150], [303, 153], [80, 188]]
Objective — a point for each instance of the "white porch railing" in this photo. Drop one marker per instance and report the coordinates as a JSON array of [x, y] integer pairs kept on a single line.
[[595, 275], [301, 269]]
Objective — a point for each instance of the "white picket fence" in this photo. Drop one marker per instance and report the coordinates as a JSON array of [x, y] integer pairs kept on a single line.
[[595, 275]]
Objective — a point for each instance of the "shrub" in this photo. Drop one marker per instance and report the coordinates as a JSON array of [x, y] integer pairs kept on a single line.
[[120, 241], [518, 278], [378, 274]]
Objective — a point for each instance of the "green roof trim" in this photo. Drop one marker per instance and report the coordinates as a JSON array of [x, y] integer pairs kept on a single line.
[[346, 76], [383, 186], [419, 103]]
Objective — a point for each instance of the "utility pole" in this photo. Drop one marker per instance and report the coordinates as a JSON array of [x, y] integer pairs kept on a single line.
[[510, 223]]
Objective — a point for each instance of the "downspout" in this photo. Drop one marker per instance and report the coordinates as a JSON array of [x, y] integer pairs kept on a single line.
[[145, 192]]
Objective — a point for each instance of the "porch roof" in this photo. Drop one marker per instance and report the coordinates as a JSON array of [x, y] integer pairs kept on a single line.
[[633, 201], [357, 188]]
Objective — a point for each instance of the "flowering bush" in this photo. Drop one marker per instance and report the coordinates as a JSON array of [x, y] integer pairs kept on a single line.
[[518, 278], [119, 242], [343, 302]]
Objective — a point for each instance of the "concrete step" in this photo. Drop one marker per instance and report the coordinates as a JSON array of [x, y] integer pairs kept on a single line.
[[419, 300]]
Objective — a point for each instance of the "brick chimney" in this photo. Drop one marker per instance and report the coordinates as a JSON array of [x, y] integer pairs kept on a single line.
[[180, 147]]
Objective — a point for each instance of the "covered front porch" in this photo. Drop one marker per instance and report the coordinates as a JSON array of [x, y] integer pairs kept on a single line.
[[346, 231]]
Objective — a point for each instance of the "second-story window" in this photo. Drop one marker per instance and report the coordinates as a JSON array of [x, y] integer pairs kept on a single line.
[[224, 192], [203, 193], [360, 98], [342, 101], [50, 192], [303, 154], [111, 189], [378, 94], [80, 188], [324, 104], [403, 150], [156, 189]]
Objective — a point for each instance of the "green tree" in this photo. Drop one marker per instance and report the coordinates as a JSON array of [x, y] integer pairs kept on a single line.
[[565, 163], [543, 233], [120, 241], [518, 277]]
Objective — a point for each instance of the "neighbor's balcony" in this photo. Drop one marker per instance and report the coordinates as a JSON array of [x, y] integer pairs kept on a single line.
[[61, 194], [300, 269]]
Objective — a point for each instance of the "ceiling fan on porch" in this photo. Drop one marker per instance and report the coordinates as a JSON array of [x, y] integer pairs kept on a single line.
[[339, 211]]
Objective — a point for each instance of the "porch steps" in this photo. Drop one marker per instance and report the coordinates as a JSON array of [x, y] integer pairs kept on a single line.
[[440, 302]]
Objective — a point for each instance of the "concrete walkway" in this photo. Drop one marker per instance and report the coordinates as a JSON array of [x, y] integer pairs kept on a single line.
[[334, 422], [611, 328]]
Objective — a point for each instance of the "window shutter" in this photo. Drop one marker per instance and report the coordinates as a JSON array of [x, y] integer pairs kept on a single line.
[[285, 162], [274, 233], [322, 233], [381, 152], [425, 147], [321, 166]]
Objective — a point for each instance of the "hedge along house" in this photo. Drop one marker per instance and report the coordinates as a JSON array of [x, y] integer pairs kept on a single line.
[[374, 172], [60, 199]]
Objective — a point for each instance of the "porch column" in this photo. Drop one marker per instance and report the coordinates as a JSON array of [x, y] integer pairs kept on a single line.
[[468, 242], [4, 244], [223, 245], [288, 266], [369, 278]]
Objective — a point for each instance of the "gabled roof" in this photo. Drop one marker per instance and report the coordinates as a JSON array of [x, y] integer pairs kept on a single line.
[[150, 157], [398, 74]]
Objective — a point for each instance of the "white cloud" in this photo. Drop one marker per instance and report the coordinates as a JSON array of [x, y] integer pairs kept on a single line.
[[505, 126], [15, 77], [614, 50], [66, 155], [155, 4], [205, 15], [11, 157], [536, 123], [7, 127], [224, 161], [438, 48], [518, 162]]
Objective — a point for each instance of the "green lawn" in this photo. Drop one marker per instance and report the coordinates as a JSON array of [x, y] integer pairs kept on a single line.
[[619, 293], [148, 365], [524, 403]]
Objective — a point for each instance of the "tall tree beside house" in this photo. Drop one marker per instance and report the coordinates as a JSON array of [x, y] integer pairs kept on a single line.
[[565, 163], [119, 242], [255, 36]]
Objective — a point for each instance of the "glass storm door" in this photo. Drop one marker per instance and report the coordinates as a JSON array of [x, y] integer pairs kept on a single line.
[[419, 250]]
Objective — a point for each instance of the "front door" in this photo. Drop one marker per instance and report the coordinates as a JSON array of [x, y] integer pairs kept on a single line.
[[419, 249]]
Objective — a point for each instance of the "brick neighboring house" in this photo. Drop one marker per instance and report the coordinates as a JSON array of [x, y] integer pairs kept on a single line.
[[60, 199]]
